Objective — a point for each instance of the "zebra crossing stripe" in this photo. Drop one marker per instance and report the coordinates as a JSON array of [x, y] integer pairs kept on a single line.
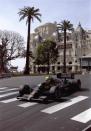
[[83, 117], [3, 88], [63, 105], [28, 104], [8, 94], [8, 90], [9, 100]]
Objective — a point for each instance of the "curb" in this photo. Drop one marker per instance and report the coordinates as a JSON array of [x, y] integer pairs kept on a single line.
[[88, 128]]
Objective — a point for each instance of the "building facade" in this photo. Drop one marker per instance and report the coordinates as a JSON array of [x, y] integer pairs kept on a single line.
[[78, 45]]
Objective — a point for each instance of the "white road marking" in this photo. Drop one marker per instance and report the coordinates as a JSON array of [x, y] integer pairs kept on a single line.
[[8, 94], [8, 90], [83, 117], [9, 100], [3, 88], [63, 105], [28, 104]]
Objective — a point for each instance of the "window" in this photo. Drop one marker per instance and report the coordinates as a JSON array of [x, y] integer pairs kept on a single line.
[[70, 62], [58, 63], [58, 68]]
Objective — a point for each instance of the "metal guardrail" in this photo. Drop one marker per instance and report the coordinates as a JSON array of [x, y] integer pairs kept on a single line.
[[5, 75], [65, 75]]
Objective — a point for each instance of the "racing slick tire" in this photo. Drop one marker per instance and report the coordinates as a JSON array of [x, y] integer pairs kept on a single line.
[[79, 84], [57, 93], [24, 90]]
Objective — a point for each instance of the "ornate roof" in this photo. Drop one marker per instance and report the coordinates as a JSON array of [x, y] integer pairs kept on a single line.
[[79, 28]]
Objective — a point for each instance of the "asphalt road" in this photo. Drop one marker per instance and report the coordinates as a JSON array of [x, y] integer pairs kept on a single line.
[[18, 115]]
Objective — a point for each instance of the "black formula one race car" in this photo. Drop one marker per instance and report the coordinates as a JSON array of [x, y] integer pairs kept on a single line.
[[52, 88]]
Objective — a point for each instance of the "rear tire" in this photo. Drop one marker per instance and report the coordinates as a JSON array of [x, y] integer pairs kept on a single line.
[[79, 84], [57, 94]]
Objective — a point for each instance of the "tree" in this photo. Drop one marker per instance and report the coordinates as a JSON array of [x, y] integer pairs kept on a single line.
[[64, 26], [47, 53], [29, 13], [11, 47]]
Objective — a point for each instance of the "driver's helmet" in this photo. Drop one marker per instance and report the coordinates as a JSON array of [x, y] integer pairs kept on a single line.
[[47, 78]]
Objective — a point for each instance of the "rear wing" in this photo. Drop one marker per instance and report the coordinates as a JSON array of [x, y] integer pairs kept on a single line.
[[65, 75], [5, 75]]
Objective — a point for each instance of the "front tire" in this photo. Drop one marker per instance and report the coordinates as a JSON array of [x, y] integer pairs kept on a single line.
[[24, 90]]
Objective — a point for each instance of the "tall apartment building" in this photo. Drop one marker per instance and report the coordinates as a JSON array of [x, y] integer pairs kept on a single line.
[[78, 45]]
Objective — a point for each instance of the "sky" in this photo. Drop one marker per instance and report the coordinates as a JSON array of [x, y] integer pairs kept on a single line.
[[52, 10]]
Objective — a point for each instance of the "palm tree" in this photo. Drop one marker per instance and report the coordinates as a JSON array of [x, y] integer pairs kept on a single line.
[[29, 13], [64, 26]]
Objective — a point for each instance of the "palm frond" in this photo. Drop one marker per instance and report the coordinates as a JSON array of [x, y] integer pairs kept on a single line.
[[22, 17], [37, 18], [65, 25], [29, 12]]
